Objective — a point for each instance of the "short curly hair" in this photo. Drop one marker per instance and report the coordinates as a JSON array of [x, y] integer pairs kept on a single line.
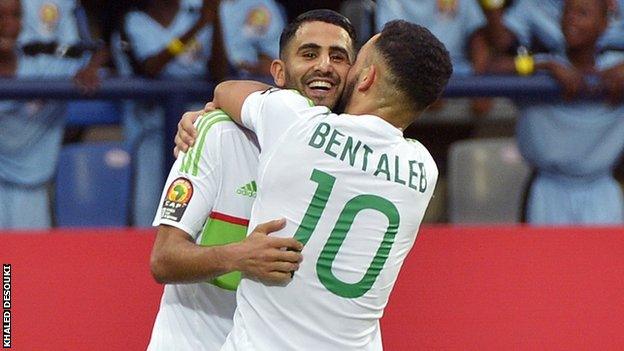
[[419, 64], [319, 15]]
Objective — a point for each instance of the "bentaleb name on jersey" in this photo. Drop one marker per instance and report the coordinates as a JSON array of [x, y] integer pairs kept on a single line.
[[336, 144]]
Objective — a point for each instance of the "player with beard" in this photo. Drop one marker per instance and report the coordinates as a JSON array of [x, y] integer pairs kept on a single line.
[[350, 188], [200, 248]]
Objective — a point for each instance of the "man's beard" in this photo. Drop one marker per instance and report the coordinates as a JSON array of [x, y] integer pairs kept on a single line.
[[345, 98], [301, 85]]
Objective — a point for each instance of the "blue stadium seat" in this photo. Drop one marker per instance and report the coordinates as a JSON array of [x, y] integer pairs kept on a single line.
[[486, 181], [85, 113], [93, 185]]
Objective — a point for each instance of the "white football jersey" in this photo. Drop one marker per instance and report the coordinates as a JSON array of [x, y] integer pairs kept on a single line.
[[208, 194], [354, 191]]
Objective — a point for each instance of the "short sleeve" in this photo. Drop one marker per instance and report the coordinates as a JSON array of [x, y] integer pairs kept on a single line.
[[517, 21], [272, 112], [474, 18], [269, 42], [145, 41], [609, 60], [250, 29], [194, 180], [68, 28]]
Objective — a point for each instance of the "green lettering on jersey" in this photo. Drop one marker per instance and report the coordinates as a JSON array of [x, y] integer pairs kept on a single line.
[[412, 174], [383, 167], [337, 238], [423, 178], [317, 205], [332, 142], [350, 150], [338, 234], [397, 179], [367, 151], [318, 137]]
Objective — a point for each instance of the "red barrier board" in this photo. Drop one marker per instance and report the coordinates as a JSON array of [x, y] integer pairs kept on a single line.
[[81, 290], [461, 288]]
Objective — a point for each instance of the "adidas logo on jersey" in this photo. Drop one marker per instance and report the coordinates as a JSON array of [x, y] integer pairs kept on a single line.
[[248, 189]]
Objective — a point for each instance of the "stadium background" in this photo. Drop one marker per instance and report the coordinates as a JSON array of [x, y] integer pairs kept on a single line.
[[500, 286]]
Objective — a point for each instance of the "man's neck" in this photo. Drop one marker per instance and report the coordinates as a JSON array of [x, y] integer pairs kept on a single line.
[[163, 11], [8, 64], [371, 105]]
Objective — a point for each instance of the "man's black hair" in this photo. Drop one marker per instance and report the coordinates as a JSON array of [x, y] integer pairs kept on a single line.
[[420, 65], [321, 15]]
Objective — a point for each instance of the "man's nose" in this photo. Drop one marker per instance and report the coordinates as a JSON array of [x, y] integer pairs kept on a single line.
[[324, 64]]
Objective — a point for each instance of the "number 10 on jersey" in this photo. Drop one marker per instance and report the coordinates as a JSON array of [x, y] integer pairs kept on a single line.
[[339, 232]]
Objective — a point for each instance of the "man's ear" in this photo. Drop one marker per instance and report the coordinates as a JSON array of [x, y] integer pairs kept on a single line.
[[278, 71], [368, 77]]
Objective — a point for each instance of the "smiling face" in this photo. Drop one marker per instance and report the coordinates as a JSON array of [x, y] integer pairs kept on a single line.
[[583, 22], [10, 24], [316, 62]]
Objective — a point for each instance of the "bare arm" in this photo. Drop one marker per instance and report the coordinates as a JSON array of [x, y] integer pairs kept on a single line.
[[153, 65], [612, 80], [88, 79], [177, 259], [218, 57], [230, 95]]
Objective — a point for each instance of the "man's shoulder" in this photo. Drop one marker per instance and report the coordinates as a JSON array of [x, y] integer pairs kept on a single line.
[[215, 123], [137, 20], [281, 98], [416, 147], [293, 93]]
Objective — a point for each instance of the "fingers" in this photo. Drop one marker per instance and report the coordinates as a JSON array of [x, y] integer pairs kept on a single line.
[[285, 267], [187, 121], [280, 243], [210, 106], [277, 278], [187, 133], [180, 145], [281, 274], [186, 139], [287, 256], [87, 80], [176, 152], [270, 226], [286, 243]]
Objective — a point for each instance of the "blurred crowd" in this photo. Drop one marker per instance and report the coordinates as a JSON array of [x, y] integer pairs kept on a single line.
[[573, 144]]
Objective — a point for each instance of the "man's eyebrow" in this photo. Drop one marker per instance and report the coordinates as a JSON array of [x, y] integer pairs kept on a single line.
[[334, 48], [308, 46], [339, 49]]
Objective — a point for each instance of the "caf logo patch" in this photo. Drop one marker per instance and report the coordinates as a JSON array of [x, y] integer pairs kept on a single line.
[[49, 16], [178, 196], [257, 22]]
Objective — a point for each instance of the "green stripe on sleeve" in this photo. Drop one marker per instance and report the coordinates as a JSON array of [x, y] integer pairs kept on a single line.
[[190, 162], [202, 141], [186, 162]]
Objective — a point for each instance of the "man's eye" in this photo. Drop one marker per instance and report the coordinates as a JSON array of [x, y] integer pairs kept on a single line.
[[309, 55], [338, 58]]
